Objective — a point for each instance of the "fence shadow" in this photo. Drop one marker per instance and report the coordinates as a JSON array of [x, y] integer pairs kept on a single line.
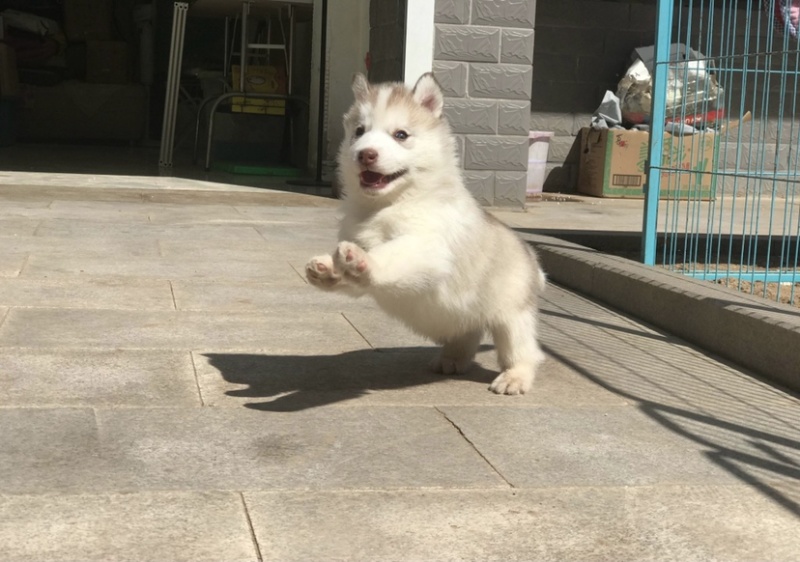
[[746, 426]]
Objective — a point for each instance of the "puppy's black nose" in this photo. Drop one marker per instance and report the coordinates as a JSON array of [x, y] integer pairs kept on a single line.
[[368, 156]]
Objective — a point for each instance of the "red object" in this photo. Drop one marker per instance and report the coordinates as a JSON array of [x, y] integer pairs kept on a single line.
[[706, 118]]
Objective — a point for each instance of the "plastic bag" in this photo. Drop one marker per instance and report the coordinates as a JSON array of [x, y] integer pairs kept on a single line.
[[693, 94]]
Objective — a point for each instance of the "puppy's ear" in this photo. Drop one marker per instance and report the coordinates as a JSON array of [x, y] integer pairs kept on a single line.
[[428, 94], [360, 87]]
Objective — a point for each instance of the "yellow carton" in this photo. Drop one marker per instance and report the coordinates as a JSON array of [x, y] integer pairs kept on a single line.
[[260, 80]]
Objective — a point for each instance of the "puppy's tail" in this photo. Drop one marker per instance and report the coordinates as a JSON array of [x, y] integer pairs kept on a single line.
[[542, 278]]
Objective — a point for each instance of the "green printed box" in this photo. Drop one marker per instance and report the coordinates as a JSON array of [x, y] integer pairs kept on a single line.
[[613, 164]]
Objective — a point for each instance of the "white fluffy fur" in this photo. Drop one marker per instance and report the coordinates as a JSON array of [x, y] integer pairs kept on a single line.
[[422, 247]]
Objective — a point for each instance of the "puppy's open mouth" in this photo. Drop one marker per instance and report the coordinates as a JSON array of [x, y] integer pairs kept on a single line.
[[374, 180]]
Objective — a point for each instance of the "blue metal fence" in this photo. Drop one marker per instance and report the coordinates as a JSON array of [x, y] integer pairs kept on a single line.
[[723, 201]]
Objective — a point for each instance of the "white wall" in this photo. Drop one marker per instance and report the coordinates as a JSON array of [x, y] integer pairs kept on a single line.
[[419, 40], [348, 43]]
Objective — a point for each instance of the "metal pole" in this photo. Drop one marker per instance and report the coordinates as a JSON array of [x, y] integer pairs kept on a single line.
[[317, 181], [291, 51], [173, 83], [226, 48], [243, 45], [322, 77], [657, 120]]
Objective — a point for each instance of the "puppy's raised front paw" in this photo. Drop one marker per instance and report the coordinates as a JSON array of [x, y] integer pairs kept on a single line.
[[321, 272], [352, 261]]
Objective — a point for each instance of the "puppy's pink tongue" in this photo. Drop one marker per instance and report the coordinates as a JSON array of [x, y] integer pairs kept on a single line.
[[370, 178]]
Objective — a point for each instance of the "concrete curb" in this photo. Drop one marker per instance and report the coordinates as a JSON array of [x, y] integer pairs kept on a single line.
[[755, 333]]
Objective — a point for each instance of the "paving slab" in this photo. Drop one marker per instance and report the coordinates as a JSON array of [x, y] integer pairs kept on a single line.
[[303, 230], [48, 451], [382, 331], [327, 216], [159, 268], [113, 450], [88, 377], [90, 247], [132, 294], [179, 248], [287, 220], [578, 213], [179, 526], [263, 254], [396, 376], [201, 233], [264, 297], [123, 329], [215, 215], [11, 262], [609, 446], [13, 206], [722, 409], [632, 444], [96, 211], [38, 186], [692, 524], [17, 226]]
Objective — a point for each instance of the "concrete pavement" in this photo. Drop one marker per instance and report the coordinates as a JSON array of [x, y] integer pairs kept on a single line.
[[173, 390]]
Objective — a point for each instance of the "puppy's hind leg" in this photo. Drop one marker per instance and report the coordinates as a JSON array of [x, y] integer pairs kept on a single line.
[[518, 353], [457, 354]]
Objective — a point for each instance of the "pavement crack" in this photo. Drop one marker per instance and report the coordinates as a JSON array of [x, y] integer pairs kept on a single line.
[[300, 275], [474, 448], [172, 291], [357, 330], [24, 265], [197, 379], [4, 316], [250, 527]]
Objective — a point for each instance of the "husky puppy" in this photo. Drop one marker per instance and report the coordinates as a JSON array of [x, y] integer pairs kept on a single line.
[[413, 238]]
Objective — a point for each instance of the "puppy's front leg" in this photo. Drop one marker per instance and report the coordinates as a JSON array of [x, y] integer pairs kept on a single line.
[[320, 272], [334, 273], [403, 263], [354, 263]]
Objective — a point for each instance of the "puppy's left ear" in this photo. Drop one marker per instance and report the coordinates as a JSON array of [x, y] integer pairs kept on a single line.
[[360, 87], [428, 94]]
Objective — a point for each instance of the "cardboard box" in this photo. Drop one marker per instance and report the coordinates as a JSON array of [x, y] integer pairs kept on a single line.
[[107, 62], [87, 20], [613, 164], [261, 80]]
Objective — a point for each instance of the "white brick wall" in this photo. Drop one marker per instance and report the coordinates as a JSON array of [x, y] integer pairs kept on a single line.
[[482, 58]]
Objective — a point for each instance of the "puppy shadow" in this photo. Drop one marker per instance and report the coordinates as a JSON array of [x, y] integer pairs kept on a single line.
[[290, 383]]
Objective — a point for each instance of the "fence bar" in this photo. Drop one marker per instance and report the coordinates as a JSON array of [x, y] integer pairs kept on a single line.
[[653, 185]]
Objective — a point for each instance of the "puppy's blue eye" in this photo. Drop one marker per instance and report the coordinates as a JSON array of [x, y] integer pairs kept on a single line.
[[360, 131], [400, 135]]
